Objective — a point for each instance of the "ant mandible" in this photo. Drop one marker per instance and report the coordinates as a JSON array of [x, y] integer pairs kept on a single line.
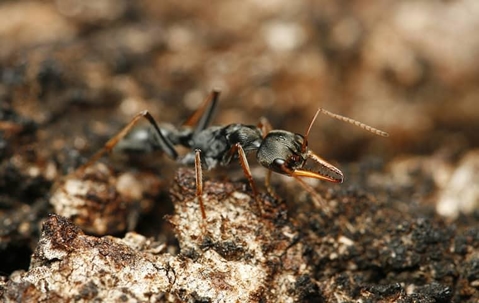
[[279, 151]]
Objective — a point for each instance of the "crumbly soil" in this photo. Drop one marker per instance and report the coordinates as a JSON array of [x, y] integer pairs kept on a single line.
[[401, 228]]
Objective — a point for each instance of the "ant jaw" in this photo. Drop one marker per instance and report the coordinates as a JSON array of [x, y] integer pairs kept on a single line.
[[310, 174], [324, 171]]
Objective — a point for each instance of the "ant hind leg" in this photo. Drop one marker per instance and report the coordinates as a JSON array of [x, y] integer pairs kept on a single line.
[[165, 144]]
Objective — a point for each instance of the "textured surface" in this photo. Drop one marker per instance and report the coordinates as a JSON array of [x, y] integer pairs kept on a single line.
[[359, 250], [403, 225]]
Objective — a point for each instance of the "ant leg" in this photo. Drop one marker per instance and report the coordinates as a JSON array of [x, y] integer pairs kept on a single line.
[[199, 182], [202, 116], [269, 188], [247, 171], [264, 126], [165, 144], [319, 201]]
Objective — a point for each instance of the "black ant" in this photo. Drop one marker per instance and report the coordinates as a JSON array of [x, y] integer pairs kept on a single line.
[[279, 151]]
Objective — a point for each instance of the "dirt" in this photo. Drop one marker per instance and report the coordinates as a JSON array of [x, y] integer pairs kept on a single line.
[[401, 228]]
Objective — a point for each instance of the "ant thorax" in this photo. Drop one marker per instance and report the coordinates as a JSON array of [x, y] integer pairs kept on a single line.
[[248, 136], [216, 142]]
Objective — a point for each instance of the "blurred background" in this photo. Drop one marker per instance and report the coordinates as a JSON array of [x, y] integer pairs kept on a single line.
[[73, 72], [408, 67]]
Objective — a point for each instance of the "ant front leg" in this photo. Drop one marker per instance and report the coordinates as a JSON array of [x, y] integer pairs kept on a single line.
[[199, 182], [319, 201], [269, 187], [247, 171], [165, 144]]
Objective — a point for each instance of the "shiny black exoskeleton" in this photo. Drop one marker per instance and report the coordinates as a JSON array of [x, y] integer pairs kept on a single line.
[[279, 151]]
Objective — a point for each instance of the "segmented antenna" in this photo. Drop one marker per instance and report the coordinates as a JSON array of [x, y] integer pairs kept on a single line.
[[351, 121], [305, 141]]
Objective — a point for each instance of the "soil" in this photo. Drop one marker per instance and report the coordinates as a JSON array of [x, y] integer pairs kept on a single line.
[[402, 227]]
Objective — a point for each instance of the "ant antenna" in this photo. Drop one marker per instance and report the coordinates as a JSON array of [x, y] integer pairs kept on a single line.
[[305, 141], [352, 121]]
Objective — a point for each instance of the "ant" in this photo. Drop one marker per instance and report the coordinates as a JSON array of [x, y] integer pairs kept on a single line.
[[279, 151]]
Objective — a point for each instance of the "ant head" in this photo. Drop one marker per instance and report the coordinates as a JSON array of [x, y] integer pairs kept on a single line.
[[282, 151], [286, 153]]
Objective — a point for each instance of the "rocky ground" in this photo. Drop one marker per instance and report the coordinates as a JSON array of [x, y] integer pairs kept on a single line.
[[401, 228]]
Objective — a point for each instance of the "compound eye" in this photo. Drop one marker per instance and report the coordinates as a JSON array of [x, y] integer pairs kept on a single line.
[[299, 138], [281, 166], [301, 143]]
